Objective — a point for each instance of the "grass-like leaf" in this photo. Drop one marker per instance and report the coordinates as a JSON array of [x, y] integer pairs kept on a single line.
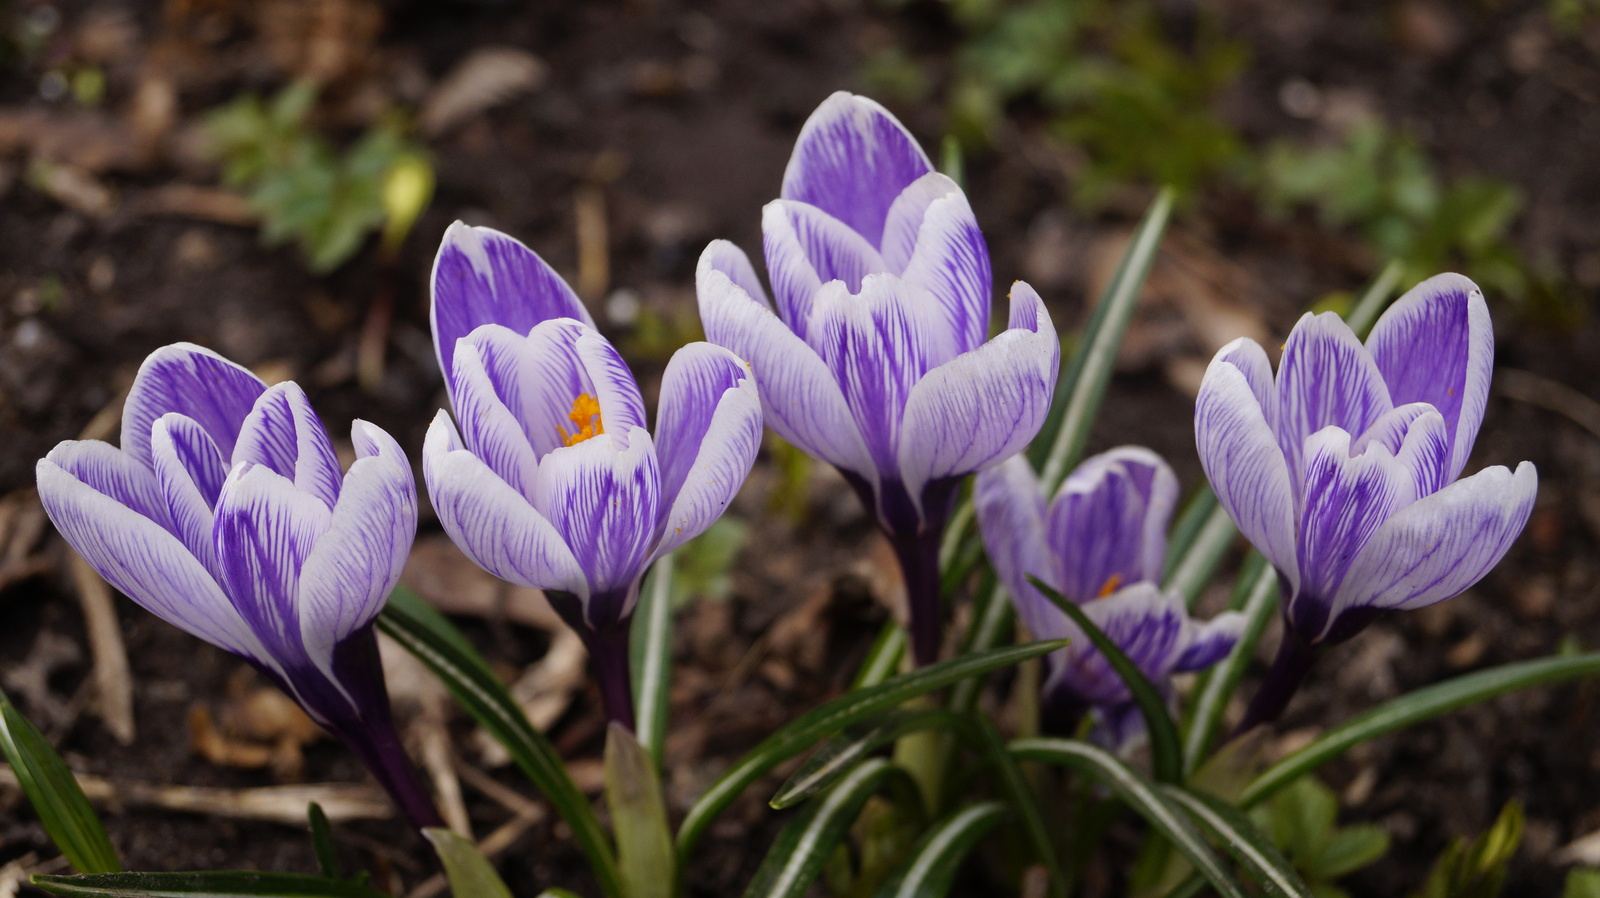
[[650, 649], [848, 709], [55, 795], [933, 863], [797, 855], [1192, 566], [1374, 299], [1257, 598], [465, 867], [991, 625], [1166, 755], [425, 633], [1083, 384], [217, 884], [1248, 845], [322, 841], [839, 756], [1415, 707], [1139, 793], [883, 659]]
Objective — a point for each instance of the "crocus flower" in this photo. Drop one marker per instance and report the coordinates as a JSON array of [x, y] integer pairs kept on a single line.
[[553, 481], [1101, 543], [226, 514], [1342, 471], [873, 356]]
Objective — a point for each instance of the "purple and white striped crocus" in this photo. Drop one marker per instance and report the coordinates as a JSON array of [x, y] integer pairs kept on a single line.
[[226, 514], [553, 481], [1101, 542], [1342, 469], [876, 360]]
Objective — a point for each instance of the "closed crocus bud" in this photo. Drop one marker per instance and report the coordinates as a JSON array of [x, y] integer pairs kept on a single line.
[[1342, 469], [873, 353], [552, 480], [1101, 542], [225, 513]]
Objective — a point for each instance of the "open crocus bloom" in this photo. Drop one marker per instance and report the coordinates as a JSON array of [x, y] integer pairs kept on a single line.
[[1342, 470], [552, 480], [871, 355], [225, 513], [1101, 542]]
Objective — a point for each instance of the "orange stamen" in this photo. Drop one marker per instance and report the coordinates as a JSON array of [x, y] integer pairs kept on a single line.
[[586, 421], [1112, 583]]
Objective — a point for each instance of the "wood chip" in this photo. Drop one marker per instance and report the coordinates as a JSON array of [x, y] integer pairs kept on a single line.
[[485, 79], [1584, 850], [274, 804], [113, 678]]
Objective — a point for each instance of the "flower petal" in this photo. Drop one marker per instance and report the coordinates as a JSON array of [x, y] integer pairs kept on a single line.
[[621, 406], [724, 256], [708, 431], [265, 529], [952, 261], [1440, 545], [114, 473], [1326, 378], [1241, 458], [878, 344], [983, 406], [1207, 643], [1436, 345], [490, 384], [141, 559], [799, 397], [192, 381], [357, 562], [1346, 499], [284, 434], [602, 495], [806, 248], [1108, 522], [1142, 621], [852, 160], [1011, 517], [1247, 355], [492, 523], [190, 471], [482, 276]]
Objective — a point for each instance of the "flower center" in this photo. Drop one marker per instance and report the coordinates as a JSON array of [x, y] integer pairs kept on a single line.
[[585, 420], [1112, 584]]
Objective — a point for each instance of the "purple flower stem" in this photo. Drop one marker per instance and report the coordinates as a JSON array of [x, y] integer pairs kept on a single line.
[[1289, 670], [919, 567], [381, 752], [608, 652]]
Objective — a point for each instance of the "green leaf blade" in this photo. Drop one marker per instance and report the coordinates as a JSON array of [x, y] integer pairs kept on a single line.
[[650, 647], [1415, 707], [801, 849], [469, 873], [834, 716], [1248, 845], [932, 865], [55, 794], [215, 884], [426, 634], [1166, 754], [1140, 794], [1083, 385], [638, 816]]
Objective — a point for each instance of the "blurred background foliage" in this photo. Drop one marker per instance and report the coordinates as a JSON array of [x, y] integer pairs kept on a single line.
[[1134, 99]]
